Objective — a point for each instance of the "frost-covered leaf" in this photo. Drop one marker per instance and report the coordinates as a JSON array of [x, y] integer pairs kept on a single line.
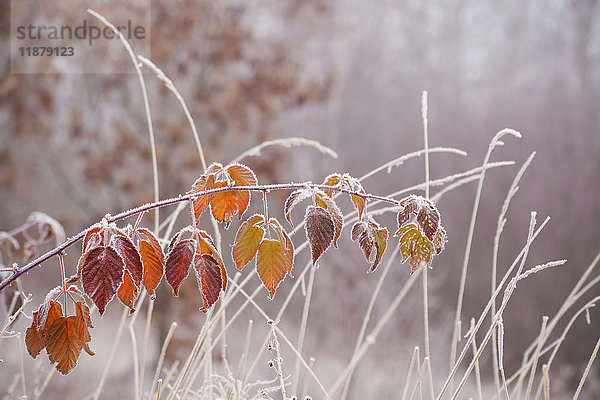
[[224, 204], [153, 266], [332, 180], [360, 233], [409, 206], [101, 275], [422, 254], [429, 220], [65, 342], [92, 238], [201, 203], [242, 176], [293, 199], [408, 236], [320, 231], [247, 239], [336, 214], [37, 334], [380, 236], [126, 249], [178, 263], [210, 280], [83, 312], [272, 264], [439, 240], [129, 291]]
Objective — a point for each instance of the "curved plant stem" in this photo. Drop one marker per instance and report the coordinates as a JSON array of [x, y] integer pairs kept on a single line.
[[146, 107]]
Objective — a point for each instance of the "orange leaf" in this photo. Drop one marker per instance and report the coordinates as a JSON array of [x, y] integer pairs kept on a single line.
[[153, 265], [320, 231], [37, 334], [65, 342], [332, 180], [247, 239], [128, 292], [83, 312], [224, 204], [272, 264], [242, 176], [101, 275], [210, 280], [179, 261], [203, 184]]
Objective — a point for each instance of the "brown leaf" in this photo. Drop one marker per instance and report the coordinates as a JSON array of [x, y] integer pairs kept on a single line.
[[179, 261], [409, 206], [92, 238], [126, 249], [83, 312], [320, 231], [247, 239], [293, 199], [65, 342], [335, 213], [380, 236], [429, 220], [210, 280], [37, 334], [101, 275], [272, 264]]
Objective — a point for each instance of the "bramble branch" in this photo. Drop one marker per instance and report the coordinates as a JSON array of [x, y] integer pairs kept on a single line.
[[167, 202]]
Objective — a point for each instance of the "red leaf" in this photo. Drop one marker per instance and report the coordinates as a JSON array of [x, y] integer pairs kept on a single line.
[[210, 280], [293, 199], [272, 264], [65, 342], [126, 249], [101, 275], [179, 261], [247, 239], [429, 220], [320, 231]]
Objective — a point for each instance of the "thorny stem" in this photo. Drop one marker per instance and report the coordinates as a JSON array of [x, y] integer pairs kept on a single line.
[[174, 200]]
